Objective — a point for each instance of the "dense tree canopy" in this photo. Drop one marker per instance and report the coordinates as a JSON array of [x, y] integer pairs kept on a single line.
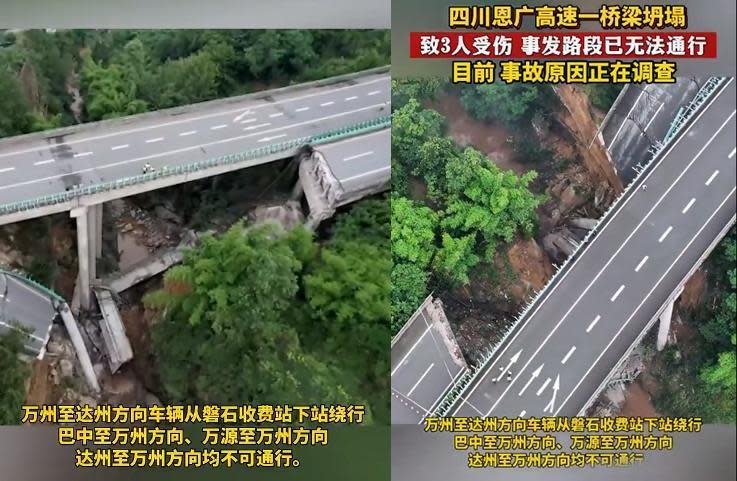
[[222, 337], [13, 374], [409, 288], [259, 315], [412, 126], [509, 104], [488, 201], [413, 232], [122, 72]]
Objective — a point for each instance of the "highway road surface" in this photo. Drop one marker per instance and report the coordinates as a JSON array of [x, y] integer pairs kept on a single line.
[[50, 162], [23, 302], [423, 367], [642, 117], [574, 337], [360, 161]]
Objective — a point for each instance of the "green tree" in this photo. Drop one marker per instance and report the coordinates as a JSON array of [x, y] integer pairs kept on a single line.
[[456, 258], [413, 232], [409, 288], [13, 373], [348, 291], [222, 334], [16, 115], [487, 201], [412, 126], [415, 88], [278, 54], [109, 92], [431, 161], [509, 104]]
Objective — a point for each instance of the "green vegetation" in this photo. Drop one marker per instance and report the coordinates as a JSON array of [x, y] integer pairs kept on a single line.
[[602, 96], [262, 316], [13, 373], [123, 72], [471, 205], [703, 382], [509, 104]]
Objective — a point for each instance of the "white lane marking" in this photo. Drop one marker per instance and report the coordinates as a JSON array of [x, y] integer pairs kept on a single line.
[[254, 127], [266, 139], [637, 100], [197, 147], [302, 109], [189, 132], [593, 323], [401, 397], [444, 391], [655, 286], [567, 356], [375, 171], [652, 209], [157, 139], [665, 234], [201, 117], [642, 263], [374, 92], [246, 112], [358, 156], [652, 118], [352, 97], [731, 154], [534, 375], [713, 176], [44, 162], [278, 114], [118, 147], [688, 206], [248, 121], [218, 127], [616, 294], [326, 104], [411, 349], [420, 379], [7, 169], [522, 414], [542, 388], [82, 154]]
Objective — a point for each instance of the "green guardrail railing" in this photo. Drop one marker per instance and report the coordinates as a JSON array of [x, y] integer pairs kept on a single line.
[[286, 146]]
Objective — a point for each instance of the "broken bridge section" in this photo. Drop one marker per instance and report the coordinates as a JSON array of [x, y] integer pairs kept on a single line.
[[426, 362], [27, 307]]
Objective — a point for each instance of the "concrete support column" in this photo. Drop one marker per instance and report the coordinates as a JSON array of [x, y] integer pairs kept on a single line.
[[98, 231], [83, 256], [76, 337], [92, 240], [664, 325]]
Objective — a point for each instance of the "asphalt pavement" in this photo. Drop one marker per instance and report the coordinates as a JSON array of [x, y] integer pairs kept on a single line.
[[593, 314]]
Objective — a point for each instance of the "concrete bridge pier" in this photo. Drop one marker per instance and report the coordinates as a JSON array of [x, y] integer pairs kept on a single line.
[[666, 316], [89, 249]]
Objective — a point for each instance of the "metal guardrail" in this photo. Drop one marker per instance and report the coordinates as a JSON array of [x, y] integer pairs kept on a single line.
[[322, 138], [462, 384]]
